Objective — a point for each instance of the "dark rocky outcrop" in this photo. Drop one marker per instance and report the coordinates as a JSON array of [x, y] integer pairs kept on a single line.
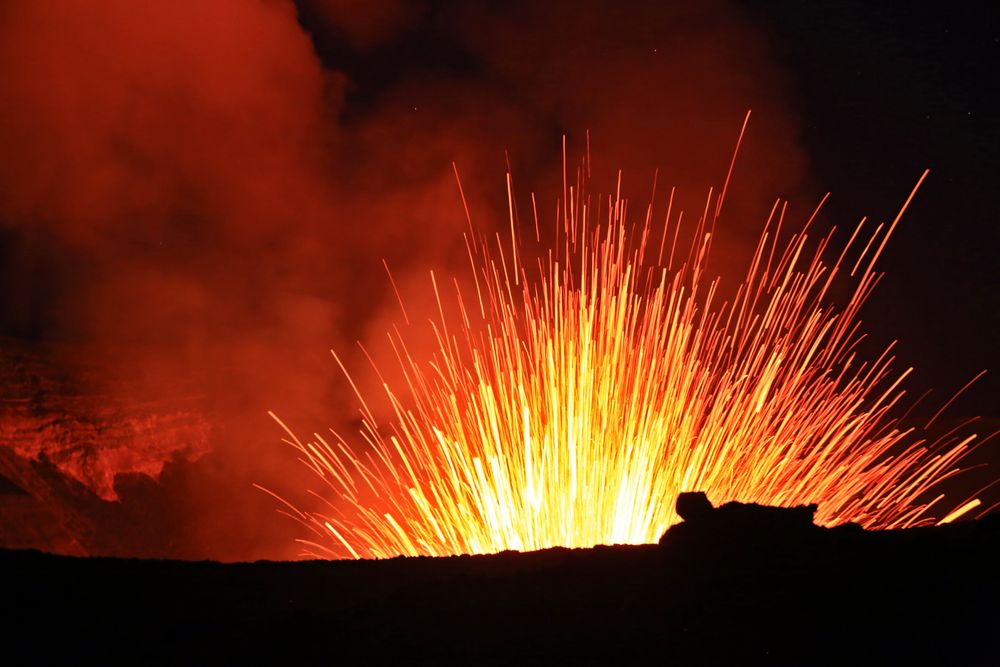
[[734, 520], [694, 506]]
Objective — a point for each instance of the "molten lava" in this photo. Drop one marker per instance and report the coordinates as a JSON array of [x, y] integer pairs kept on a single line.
[[584, 390]]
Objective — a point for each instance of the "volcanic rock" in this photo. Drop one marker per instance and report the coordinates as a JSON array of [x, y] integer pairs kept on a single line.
[[67, 435], [715, 533], [90, 428], [696, 509], [694, 506]]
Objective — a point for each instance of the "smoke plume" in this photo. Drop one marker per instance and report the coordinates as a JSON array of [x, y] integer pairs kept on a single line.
[[208, 188]]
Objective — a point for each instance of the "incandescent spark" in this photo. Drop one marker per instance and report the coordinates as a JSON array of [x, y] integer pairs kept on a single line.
[[584, 390]]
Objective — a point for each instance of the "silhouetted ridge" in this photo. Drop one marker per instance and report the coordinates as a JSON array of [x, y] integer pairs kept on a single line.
[[739, 584]]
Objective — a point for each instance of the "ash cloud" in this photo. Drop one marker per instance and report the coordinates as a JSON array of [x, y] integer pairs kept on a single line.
[[208, 188]]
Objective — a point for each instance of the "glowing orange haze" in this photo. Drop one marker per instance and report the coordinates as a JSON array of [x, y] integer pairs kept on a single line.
[[583, 391]]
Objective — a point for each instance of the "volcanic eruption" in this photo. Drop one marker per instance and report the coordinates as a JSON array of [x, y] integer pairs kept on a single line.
[[199, 199], [574, 392]]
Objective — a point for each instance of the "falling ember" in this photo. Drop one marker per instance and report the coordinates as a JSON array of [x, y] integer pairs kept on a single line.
[[586, 389]]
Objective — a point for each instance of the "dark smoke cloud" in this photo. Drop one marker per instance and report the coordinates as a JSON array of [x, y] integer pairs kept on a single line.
[[364, 24], [209, 187]]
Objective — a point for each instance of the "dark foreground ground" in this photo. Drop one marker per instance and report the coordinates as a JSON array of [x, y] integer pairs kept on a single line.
[[747, 588]]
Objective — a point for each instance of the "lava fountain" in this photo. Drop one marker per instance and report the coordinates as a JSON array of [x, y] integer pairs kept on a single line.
[[587, 386]]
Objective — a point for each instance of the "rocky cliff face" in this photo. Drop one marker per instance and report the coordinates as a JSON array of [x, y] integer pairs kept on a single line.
[[68, 429]]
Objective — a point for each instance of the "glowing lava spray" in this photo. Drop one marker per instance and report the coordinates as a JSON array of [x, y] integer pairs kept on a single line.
[[584, 390]]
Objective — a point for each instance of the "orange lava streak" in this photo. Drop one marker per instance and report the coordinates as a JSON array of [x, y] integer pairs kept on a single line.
[[573, 405]]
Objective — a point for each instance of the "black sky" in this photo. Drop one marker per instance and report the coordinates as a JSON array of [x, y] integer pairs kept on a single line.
[[886, 90]]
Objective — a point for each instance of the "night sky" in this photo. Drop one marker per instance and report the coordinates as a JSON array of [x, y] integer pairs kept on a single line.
[[884, 93], [205, 191]]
